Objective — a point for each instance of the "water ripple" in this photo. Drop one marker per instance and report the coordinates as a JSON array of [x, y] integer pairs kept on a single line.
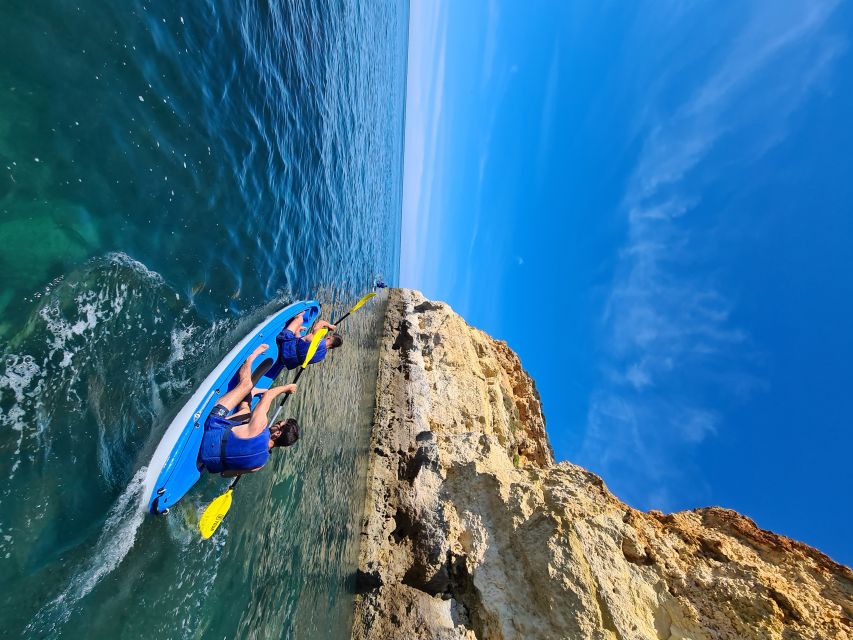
[[174, 173]]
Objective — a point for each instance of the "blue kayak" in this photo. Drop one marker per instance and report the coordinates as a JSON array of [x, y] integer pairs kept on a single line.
[[174, 469]]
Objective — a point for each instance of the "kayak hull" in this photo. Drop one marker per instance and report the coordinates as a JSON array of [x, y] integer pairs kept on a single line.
[[174, 468]]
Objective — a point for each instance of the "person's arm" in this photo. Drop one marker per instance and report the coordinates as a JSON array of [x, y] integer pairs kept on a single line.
[[320, 325], [259, 415]]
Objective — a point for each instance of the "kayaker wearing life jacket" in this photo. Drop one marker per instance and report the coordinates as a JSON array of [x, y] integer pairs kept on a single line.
[[292, 349], [236, 442]]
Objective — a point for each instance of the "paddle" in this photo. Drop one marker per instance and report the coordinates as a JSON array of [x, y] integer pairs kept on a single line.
[[357, 306], [216, 510], [312, 349]]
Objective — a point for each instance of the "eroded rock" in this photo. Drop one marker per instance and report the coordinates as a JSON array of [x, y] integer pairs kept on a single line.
[[472, 531]]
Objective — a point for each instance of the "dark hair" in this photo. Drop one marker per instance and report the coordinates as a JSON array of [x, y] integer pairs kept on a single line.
[[337, 341], [284, 433]]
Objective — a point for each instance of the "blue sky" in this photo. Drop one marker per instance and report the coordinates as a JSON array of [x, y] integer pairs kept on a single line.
[[653, 204]]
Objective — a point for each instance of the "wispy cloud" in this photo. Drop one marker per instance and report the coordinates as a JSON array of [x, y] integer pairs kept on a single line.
[[425, 95], [498, 82], [549, 115], [668, 321], [490, 48], [429, 171]]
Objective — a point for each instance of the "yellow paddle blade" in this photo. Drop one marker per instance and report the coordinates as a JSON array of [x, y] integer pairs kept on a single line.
[[213, 515], [315, 342], [361, 302]]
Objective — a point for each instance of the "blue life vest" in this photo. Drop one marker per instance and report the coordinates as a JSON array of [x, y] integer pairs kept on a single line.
[[221, 450], [292, 350]]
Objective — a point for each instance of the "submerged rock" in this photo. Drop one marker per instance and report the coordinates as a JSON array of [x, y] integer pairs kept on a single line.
[[41, 241], [472, 531]]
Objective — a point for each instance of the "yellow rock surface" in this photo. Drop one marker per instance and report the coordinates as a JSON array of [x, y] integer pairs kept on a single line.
[[471, 530]]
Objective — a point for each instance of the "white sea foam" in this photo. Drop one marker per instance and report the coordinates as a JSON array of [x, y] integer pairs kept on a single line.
[[121, 258], [116, 540], [18, 377], [26, 378], [187, 605], [179, 338], [77, 323], [21, 378]]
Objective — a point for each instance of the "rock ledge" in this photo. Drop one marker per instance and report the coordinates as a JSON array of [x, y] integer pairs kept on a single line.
[[472, 531]]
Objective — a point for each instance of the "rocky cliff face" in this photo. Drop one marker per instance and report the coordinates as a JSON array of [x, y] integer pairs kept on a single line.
[[472, 531]]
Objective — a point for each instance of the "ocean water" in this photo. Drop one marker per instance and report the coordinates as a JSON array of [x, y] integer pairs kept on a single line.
[[170, 173]]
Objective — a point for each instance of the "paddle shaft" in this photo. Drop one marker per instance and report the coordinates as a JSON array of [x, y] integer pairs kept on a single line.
[[218, 516], [356, 307], [275, 415], [337, 322], [342, 318], [299, 373], [278, 410]]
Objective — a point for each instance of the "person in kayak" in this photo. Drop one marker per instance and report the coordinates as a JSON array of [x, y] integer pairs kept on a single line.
[[292, 349], [237, 442]]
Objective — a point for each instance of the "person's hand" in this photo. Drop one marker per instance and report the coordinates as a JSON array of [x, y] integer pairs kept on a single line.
[[290, 388]]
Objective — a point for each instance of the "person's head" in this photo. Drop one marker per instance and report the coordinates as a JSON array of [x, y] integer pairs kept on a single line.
[[284, 433], [334, 341]]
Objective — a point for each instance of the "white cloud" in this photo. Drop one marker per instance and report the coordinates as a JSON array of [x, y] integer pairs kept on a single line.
[[638, 376], [424, 104], [663, 322], [549, 117], [490, 48]]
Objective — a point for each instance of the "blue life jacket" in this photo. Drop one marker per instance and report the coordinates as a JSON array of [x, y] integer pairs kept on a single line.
[[292, 350], [221, 450]]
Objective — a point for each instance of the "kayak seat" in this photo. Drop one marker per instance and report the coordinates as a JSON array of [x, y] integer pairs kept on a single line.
[[260, 370]]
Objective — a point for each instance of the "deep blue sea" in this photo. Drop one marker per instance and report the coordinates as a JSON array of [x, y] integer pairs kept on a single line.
[[170, 173]]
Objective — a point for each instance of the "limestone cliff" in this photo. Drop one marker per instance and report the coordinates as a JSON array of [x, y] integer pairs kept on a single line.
[[472, 531]]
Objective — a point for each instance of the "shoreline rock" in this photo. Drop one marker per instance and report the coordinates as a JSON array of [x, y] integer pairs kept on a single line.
[[471, 530]]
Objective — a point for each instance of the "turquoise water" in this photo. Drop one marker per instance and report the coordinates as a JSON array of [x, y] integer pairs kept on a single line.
[[170, 174]]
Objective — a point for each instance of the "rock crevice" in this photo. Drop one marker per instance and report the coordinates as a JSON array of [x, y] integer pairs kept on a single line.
[[471, 530]]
